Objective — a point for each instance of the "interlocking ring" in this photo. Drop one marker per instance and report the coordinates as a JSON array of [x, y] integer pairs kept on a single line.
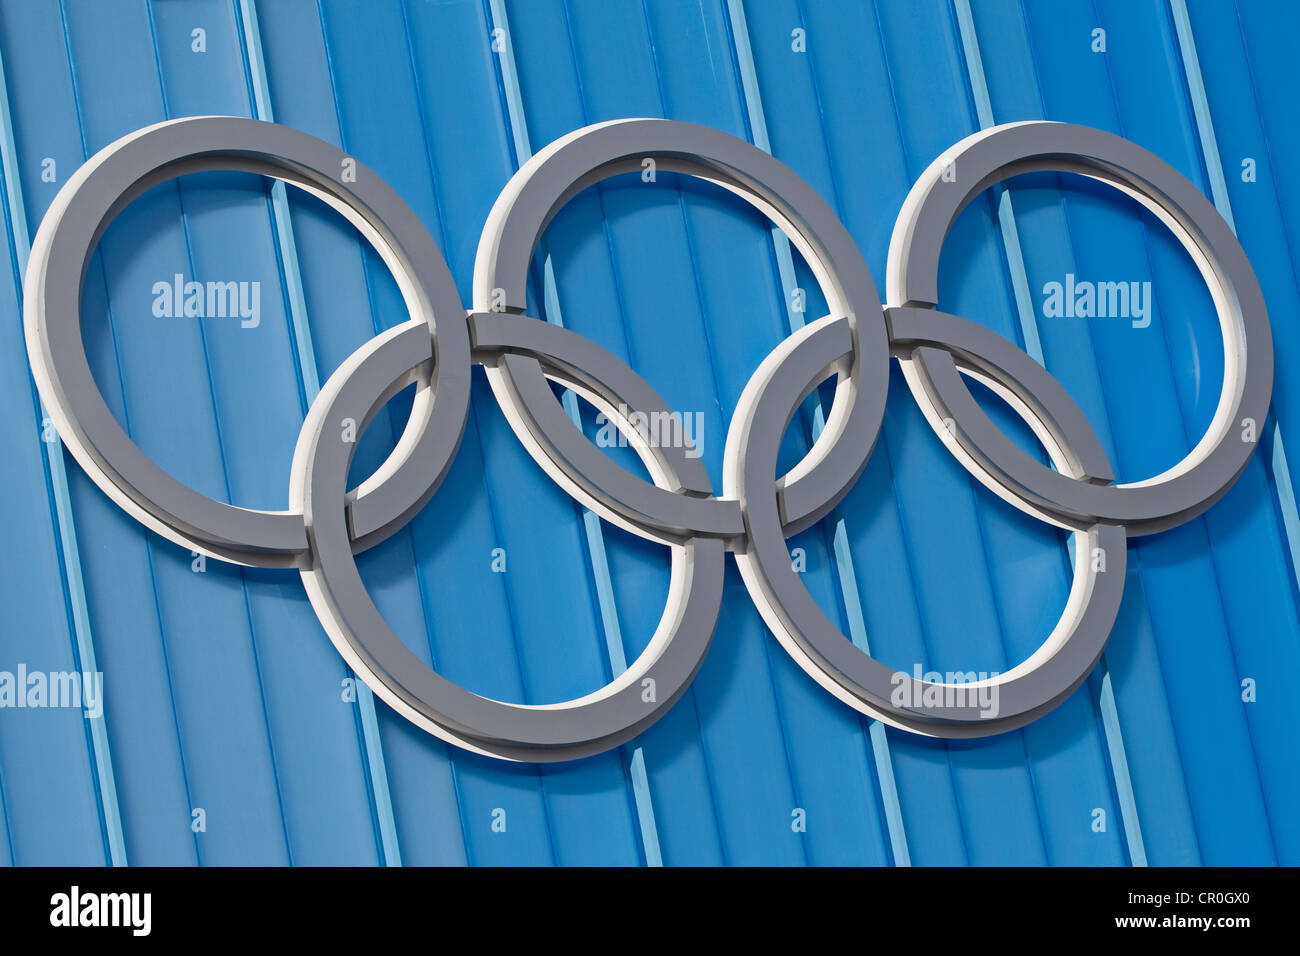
[[326, 524], [1209, 470], [61, 253]]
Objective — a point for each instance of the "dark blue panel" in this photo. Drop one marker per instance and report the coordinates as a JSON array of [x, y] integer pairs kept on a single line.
[[1247, 59]]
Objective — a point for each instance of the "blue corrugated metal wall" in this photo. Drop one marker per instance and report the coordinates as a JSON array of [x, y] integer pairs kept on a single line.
[[222, 693]]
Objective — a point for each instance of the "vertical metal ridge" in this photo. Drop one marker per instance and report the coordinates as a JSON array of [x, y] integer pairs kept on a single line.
[[1123, 780], [373, 752], [1201, 110], [73, 581], [1104, 696], [636, 771], [878, 742]]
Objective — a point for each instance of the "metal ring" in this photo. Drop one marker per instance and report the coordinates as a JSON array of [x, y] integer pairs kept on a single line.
[[1023, 693], [587, 156], [67, 238], [600, 720], [1209, 470]]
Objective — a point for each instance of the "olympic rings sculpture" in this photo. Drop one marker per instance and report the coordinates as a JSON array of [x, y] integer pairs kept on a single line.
[[327, 523]]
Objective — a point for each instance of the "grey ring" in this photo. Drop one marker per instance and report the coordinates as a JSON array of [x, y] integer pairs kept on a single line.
[[1208, 471], [587, 156], [564, 731], [1023, 693], [61, 252]]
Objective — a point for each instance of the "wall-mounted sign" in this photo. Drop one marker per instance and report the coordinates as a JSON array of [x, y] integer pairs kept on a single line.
[[327, 524]]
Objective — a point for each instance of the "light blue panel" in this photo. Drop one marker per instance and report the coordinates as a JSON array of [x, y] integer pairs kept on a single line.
[[48, 797], [1245, 60], [1266, 30], [1101, 690], [362, 720], [161, 382], [115, 560], [1068, 754]]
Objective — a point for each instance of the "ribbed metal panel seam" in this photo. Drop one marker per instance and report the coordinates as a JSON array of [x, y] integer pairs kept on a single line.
[[73, 583]]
